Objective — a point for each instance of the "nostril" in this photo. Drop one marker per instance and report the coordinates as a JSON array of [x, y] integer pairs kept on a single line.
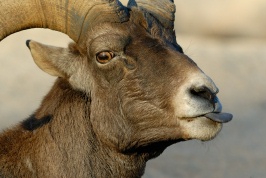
[[203, 92]]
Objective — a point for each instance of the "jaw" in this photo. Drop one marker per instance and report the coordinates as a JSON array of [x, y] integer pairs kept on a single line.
[[200, 128]]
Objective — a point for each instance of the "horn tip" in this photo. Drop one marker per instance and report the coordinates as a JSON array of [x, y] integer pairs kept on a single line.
[[28, 43]]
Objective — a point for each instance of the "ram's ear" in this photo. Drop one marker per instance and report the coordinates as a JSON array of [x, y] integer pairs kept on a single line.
[[55, 61]]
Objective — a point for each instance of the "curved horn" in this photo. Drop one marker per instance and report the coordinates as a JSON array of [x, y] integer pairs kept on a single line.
[[72, 17], [160, 17], [162, 10]]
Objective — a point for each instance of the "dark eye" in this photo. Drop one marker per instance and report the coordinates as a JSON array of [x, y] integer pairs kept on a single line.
[[105, 56]]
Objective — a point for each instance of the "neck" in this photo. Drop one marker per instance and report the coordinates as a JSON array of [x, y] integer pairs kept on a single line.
[[80, 148]]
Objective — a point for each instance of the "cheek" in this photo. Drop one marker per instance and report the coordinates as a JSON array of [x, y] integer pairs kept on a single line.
[[144, 99], [147, 113], [107, 120], [109, 74]]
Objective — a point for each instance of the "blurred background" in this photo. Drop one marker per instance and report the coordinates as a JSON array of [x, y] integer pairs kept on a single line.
[[226, 38]]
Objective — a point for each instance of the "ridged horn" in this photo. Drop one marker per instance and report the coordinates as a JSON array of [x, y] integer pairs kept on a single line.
[[72, 17], [162, 10], [160, 17]]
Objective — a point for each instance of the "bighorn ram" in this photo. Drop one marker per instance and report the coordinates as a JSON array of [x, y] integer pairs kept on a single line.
[[125, 90]]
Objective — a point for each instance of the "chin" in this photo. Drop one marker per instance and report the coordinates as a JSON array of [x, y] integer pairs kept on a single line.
[[200, 128]]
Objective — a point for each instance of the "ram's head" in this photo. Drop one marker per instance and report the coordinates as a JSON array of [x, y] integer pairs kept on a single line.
[[144, 90]]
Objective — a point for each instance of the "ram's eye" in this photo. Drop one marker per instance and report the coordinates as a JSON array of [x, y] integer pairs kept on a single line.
[[105, 56]]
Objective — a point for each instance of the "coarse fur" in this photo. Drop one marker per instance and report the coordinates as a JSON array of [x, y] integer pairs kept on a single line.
[[106, 117]]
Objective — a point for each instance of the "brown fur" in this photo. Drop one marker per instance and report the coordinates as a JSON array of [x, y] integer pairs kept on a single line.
[[103, 120]]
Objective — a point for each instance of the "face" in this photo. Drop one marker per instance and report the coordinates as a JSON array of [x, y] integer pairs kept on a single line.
[[145, 91]]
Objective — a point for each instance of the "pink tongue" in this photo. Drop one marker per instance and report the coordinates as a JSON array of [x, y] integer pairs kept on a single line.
[[219, 117]]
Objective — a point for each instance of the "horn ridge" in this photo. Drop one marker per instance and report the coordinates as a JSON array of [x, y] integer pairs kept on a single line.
[[160, 17], [111, 11], [162, 10], [71, 17]]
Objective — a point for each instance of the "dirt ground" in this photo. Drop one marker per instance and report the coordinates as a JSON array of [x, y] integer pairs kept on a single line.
[[236, 64]]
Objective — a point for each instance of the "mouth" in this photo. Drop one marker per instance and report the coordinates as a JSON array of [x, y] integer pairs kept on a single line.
[[219, 117], [204, 127]]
